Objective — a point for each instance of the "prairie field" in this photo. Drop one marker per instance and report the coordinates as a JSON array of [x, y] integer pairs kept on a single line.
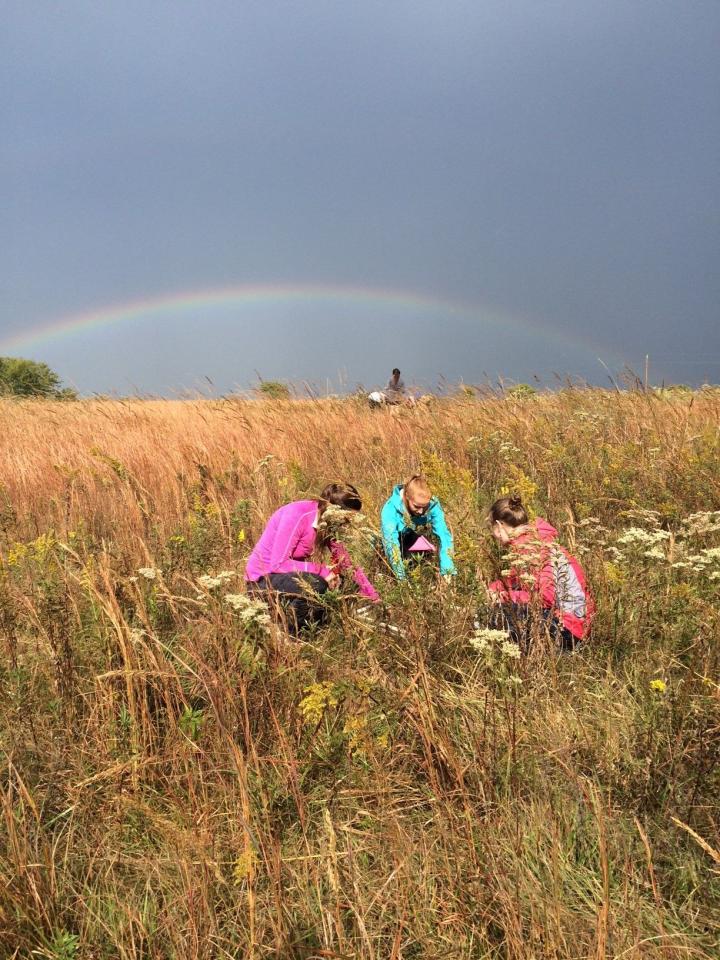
[[179, 781]]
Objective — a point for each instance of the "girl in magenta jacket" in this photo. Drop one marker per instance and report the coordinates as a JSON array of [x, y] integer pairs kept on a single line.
[[294, 560], [539, 568]]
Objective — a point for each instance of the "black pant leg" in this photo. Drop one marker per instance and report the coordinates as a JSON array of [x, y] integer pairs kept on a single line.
[[565, 640], [293, 590]]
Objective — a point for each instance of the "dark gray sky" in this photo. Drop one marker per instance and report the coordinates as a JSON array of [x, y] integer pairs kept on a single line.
[[553, 167]]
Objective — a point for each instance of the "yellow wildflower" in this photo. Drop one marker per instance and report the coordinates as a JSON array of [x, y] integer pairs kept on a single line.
[[243, 866], [319, 697]]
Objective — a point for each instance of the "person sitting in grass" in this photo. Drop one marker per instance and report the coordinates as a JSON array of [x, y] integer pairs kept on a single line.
[[395, 390], [410, 513], [541, 574], [394, 394], [297, 559]]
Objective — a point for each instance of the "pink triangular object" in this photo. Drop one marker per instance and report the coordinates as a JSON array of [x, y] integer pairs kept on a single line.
[[421, 545]]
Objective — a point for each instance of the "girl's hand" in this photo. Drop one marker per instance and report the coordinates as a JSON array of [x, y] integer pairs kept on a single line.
[[332, 580]]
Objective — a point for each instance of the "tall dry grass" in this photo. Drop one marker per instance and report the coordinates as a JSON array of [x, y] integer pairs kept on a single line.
[[178, 783]]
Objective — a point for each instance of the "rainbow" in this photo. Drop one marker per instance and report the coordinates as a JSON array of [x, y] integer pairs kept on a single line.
[[245, 296]]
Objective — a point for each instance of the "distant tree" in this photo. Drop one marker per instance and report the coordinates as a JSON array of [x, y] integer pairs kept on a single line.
[[274, 389], [28, 378], [467, 391], [671, 391], [522, 391]]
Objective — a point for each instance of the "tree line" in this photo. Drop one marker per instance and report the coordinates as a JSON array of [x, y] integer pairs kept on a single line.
[[29, 378]]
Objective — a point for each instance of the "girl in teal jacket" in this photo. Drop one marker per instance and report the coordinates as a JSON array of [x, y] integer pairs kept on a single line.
[[412, 512]]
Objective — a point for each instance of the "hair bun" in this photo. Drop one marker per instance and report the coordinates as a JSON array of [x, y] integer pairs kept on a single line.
[[515, 501]]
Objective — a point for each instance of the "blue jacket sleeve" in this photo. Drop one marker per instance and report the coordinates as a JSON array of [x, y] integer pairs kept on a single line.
[[391, 540], [441, 531]]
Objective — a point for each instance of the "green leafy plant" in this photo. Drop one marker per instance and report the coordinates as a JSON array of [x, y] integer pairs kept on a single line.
[[274, 390]]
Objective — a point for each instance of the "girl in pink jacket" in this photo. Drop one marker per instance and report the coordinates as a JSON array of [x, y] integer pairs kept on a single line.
[[289, 558], [540, 571]]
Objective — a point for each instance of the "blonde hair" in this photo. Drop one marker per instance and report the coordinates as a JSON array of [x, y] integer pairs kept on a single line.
[[417, 485]]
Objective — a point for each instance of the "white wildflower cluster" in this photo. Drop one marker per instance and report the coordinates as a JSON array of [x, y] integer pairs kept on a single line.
[[649, 543], [353, 529], [334, 517], [484, 639], [510, 650], [150, 573], [347, 522], [636, 536], [655, 553], [701, 562], [210, 583], [499, 655], [709, 555], [251, 610], [698, 524], [680, 550], [529, 558], [504, 445], [508, 449]]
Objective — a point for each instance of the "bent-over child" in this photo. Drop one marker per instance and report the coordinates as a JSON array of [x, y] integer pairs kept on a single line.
[[541, 571], [298, 562], [410, 513]]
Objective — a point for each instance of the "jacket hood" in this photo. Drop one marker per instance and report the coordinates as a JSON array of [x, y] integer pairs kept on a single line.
[[545, 530], [398, 501], [539, 528], [397, 496]]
